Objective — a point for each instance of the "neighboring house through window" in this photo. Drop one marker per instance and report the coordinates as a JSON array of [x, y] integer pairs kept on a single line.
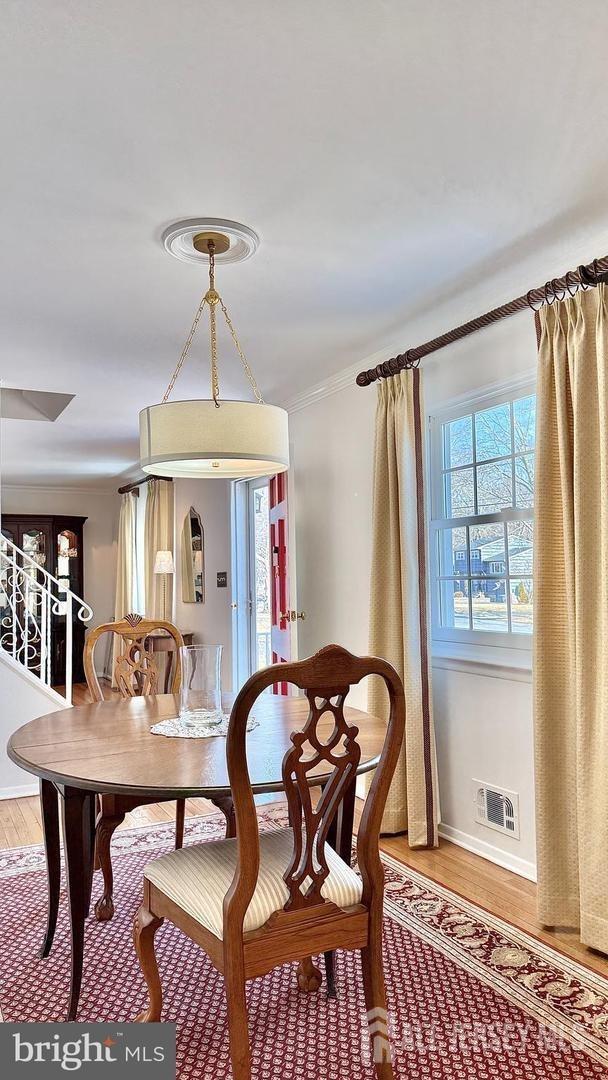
[[482, 490]]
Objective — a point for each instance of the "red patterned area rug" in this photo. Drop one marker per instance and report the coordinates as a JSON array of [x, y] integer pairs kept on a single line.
[[469, 996]]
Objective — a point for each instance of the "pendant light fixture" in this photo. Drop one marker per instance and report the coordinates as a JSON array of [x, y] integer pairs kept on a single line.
[[213, 437]]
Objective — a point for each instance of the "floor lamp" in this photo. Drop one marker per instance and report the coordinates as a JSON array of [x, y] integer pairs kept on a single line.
[[164, 565]]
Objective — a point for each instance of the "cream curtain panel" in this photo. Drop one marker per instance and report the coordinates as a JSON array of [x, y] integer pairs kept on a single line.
[[158, 536], [571, 616], [398, 610], [126, 565]]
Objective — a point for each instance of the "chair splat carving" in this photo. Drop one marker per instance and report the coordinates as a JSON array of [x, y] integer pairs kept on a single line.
[[308, 868], [135, 670]]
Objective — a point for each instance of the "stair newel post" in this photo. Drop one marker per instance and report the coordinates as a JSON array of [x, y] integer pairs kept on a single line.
[[26, 620], [49, 606], [13, 573], [44, 643], [68, 646]]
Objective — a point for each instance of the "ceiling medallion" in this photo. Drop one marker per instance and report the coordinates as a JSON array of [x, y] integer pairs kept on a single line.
[[210, 436], [178, 240]]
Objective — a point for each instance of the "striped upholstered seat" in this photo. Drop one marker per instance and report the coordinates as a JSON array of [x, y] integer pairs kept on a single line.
[[197, 878]]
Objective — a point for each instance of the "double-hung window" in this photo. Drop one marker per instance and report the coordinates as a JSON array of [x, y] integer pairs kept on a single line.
[[482, 496]]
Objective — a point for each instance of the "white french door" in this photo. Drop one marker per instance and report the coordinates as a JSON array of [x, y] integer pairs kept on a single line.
[[251, 577], [261, 574]]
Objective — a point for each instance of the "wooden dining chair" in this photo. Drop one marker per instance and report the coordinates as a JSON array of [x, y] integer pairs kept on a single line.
[[258, 901], [136, 675]]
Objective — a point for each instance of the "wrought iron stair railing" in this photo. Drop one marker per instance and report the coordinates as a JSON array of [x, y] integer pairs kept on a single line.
[[33, 605]]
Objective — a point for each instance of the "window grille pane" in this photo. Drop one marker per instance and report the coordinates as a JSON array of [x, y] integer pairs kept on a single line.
[[458, 442], [521, 605], [520, 535], [459, 493], [454, 604], [494, 487], [453, 552], [524, 423], [490, 605], [524, 480], [493, 432], [487, 547]]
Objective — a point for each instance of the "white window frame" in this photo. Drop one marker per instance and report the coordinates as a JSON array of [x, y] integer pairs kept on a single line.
[[480, 644]]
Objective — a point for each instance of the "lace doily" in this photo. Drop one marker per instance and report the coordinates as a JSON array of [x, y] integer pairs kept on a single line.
[[175, 728]]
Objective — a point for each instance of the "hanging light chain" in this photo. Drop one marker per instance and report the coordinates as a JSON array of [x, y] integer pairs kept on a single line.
[[185, 350], [237, 345], [212, 298]]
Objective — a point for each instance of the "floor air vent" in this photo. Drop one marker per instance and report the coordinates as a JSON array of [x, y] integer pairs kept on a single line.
[[497, 808]]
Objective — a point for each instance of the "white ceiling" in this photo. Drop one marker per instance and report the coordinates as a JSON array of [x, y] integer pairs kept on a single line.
[[405, 163]]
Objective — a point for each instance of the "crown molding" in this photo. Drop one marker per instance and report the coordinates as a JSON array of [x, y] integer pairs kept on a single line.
[[339, 381], [44, 488]]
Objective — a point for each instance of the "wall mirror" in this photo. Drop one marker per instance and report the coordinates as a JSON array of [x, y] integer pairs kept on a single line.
[[193, 559]]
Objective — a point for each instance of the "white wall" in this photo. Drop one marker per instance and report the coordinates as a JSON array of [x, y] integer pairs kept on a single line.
[[101, 508], [22, 701], [484, 724], [332, 443], [210, 622]]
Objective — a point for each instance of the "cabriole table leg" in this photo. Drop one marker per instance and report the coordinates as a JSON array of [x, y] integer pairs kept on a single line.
[[49, 802], [79, 843]]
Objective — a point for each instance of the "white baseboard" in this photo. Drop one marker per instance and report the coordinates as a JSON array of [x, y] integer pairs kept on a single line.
[[19, 792], [490, 852]]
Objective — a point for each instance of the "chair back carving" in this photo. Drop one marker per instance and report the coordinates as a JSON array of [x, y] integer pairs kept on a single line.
[[135, 669], [308, 868], [325, 679]]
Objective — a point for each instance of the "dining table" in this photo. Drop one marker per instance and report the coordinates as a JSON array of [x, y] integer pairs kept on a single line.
[[107, 747]]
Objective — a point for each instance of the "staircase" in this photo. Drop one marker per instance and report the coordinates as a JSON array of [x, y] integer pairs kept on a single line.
[[31, 603]]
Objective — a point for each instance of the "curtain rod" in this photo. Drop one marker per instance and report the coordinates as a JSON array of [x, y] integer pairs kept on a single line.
[[584, 277], [138, 483]]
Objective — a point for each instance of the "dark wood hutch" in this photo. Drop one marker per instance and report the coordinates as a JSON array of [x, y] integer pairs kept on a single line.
[[56, 543]]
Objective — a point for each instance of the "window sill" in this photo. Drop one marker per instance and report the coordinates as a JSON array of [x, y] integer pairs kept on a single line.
[[490, 661]]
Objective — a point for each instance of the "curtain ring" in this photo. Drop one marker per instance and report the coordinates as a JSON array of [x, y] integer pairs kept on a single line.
[[536, 306], [559, 289], [601, 277], [587, 280], [549, 289], [574, 287]]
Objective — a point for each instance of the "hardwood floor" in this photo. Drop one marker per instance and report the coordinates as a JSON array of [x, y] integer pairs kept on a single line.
[[80, 692], [499, 891]]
